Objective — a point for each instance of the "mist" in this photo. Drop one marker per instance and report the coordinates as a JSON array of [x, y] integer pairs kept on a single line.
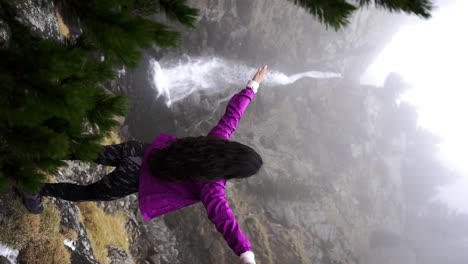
[[177, 81], [361, 132], [350, 176]]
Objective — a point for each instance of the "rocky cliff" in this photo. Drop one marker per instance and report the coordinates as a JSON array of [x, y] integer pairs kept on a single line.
[[331, 176]]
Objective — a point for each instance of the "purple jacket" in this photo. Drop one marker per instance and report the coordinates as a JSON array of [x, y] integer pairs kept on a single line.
[[157, 197]]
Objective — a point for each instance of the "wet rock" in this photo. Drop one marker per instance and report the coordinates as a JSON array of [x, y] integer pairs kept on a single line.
[[82, 259], [4, 34], [4, 260], [40, 17], [83, 252], [157, 239], [326, 232], [154, 259], [118, 255]]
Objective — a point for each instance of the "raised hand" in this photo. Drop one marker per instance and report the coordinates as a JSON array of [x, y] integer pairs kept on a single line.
[[258, 77]]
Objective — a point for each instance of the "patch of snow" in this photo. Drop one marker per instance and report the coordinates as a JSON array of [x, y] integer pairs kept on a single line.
[[9, 253], [121, 72], [70, 243]]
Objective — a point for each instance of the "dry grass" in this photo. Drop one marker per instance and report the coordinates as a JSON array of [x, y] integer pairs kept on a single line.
[[47, 245], [50, 178], [18, 226], [103, 230], [295, 239], [46, 250], [50, 220], [256, 228], [113, 138], [37, 237], [63, 29], [68, 233]]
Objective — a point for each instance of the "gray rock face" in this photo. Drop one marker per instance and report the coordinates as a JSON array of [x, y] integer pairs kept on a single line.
[[118, 255], [71, 219], [316, 200], [4, 33], [77, 258], [158, 241], [4, 260], [40, 17]]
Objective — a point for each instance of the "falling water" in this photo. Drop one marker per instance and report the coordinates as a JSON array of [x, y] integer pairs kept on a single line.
[[178, 80], [9, 253]]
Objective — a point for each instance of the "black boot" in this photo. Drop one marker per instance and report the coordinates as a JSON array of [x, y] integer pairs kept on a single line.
[[32, 202]]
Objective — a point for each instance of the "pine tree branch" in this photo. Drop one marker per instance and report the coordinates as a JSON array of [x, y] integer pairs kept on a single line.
[[120, 33], [420, 8], [179, 11], [334, 13]]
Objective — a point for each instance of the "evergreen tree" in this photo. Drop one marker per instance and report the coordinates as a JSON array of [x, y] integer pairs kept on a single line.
[[51, 96], [120, 28], [53, 105], [336, 13]]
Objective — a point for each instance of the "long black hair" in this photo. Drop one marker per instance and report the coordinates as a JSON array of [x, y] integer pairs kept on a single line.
[[204, 159]]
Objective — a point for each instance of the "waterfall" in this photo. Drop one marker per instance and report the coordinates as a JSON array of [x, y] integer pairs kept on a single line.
[[9, 253], [175, 81]]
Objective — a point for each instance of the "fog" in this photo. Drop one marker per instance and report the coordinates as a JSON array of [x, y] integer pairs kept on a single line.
[[430, 58], [354, 166]]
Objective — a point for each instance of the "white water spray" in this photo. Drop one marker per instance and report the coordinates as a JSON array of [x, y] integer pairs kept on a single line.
[[177, 81], [9, 253]]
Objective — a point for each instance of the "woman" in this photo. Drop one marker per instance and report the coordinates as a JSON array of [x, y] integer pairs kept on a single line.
[[171, 173]]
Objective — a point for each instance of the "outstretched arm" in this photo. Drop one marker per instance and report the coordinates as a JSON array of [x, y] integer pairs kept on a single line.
[[217, 208], [237, 106], [213, 194]]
